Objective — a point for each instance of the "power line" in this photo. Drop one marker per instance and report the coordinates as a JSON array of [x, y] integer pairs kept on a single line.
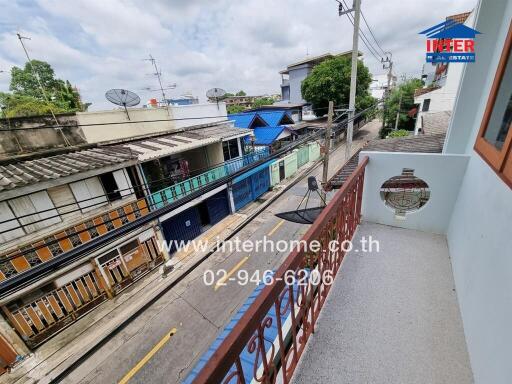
[[371, 32], [366, 41], [283, 150]]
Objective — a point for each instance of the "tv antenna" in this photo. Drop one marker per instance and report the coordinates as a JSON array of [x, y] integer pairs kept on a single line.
[[123, 97], [168, 86], [216, 94]]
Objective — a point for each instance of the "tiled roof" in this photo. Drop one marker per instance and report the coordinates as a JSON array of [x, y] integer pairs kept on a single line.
[[33, 171], [436, 122], [422, 91], [459, 18], [159, 146], [275, 118], [419, 144], [267, 135]]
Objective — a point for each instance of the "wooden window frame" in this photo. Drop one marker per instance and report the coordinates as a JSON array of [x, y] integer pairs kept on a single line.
[[497, 159]]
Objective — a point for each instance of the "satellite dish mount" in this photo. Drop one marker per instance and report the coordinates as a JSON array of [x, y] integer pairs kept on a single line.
[[123, 98], [216, 94]]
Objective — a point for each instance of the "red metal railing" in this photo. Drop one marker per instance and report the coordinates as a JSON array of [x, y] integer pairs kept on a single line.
[[294, 308]]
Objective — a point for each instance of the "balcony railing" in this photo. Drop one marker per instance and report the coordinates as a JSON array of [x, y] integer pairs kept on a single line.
[[251, 352], [186, 187]]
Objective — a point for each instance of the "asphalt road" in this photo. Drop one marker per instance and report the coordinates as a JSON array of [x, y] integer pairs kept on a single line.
[[164, 342]]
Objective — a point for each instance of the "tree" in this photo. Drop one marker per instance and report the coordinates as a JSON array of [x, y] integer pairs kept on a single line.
[[401, 99], [330, 80], [27, 97], [235, 108], [258, 103], [241, 93], [399, 133]]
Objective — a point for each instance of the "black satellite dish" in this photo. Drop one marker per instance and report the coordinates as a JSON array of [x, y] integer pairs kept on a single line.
[[305, 215], [216, 94], [123, 97]]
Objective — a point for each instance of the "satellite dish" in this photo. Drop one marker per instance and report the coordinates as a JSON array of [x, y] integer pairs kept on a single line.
[[215, 94], [123, 98]]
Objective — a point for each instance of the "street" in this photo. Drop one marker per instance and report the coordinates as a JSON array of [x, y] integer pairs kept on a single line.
[[164, 342]]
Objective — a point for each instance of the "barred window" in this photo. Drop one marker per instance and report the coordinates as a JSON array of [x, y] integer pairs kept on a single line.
[[7, 269]]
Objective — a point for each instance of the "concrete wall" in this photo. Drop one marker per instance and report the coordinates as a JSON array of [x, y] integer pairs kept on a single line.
[[296, 77], [479, 235], [125, 128], [215, 154], [442, 173], [213, 111], [24, 139]]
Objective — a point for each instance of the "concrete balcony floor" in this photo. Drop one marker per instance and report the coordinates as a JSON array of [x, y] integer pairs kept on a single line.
[[391, 316]]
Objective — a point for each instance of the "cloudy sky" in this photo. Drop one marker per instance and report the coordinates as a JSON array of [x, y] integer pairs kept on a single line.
[[199, 44]]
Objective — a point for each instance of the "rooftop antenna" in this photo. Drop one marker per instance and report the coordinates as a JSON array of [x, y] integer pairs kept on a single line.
[[158, 74], [124, 98], [36, 75], [215, 94]]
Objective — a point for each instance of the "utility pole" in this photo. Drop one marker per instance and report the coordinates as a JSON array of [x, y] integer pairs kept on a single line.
[[398, 112], [36, 75], [353, 77], [389, 63], [327, 145]]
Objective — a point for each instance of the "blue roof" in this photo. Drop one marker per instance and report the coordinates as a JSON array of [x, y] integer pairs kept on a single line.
[[267, 135], [275, 118], [246, 120]]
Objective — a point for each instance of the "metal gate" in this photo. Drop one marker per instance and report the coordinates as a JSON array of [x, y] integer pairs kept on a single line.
[[242, 193], [260, 183], [182, 227], [218, 207]]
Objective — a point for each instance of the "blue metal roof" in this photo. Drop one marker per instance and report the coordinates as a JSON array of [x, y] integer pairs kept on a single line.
[[247, 120], [275, 118], [267, 135], [246, 358]]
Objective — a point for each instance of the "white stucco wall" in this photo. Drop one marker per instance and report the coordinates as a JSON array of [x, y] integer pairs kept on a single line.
[[442, 173], [196, 114], [480, 231]]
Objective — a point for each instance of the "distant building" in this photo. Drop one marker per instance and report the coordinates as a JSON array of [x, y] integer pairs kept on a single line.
[[183, 100], [380, 84], [248, 101], [294, 74]]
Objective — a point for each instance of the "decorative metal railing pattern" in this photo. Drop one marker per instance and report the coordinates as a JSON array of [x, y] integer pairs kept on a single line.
[[39, 319], [28, 256], [293, 308], [175, 192]]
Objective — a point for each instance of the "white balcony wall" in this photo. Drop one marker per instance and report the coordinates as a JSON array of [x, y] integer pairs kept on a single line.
[[442, 173]]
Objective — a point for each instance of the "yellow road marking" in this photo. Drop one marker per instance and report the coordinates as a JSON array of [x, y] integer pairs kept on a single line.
[[275, 228], [146, 358], [222, 280]]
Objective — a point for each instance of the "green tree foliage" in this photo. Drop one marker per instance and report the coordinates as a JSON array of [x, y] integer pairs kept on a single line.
[[262, 101], [241, 93], [330, 80], [27, 99], [235, 108], [399, 133], [403, 97]]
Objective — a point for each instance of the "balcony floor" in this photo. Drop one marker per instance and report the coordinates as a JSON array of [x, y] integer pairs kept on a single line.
[[391, 316]]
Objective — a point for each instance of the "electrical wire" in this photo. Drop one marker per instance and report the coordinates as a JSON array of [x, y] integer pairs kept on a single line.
[[45, 244], [371, 32]]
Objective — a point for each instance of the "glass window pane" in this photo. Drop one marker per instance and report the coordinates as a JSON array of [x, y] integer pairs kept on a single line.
[[501, 115]]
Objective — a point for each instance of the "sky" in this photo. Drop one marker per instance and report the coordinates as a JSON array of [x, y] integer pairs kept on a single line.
[[200, 44]]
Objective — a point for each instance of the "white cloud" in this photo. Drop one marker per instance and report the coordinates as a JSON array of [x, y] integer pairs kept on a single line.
[[200, 44]]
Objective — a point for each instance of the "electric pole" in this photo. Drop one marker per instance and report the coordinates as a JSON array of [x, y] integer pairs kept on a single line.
[[388, 63], [353, 76], [36, 75], [398, 112], [327, 145]]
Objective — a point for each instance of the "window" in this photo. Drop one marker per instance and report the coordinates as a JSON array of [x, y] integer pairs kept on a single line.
[[494, 139], [109, 184], [88, 194], [426, 105], [230, 149]]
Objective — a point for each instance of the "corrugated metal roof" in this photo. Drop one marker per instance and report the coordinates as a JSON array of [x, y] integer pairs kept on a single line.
[[267, 135], [33, 171], [275, 118], [247, 120], [159, 146]]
